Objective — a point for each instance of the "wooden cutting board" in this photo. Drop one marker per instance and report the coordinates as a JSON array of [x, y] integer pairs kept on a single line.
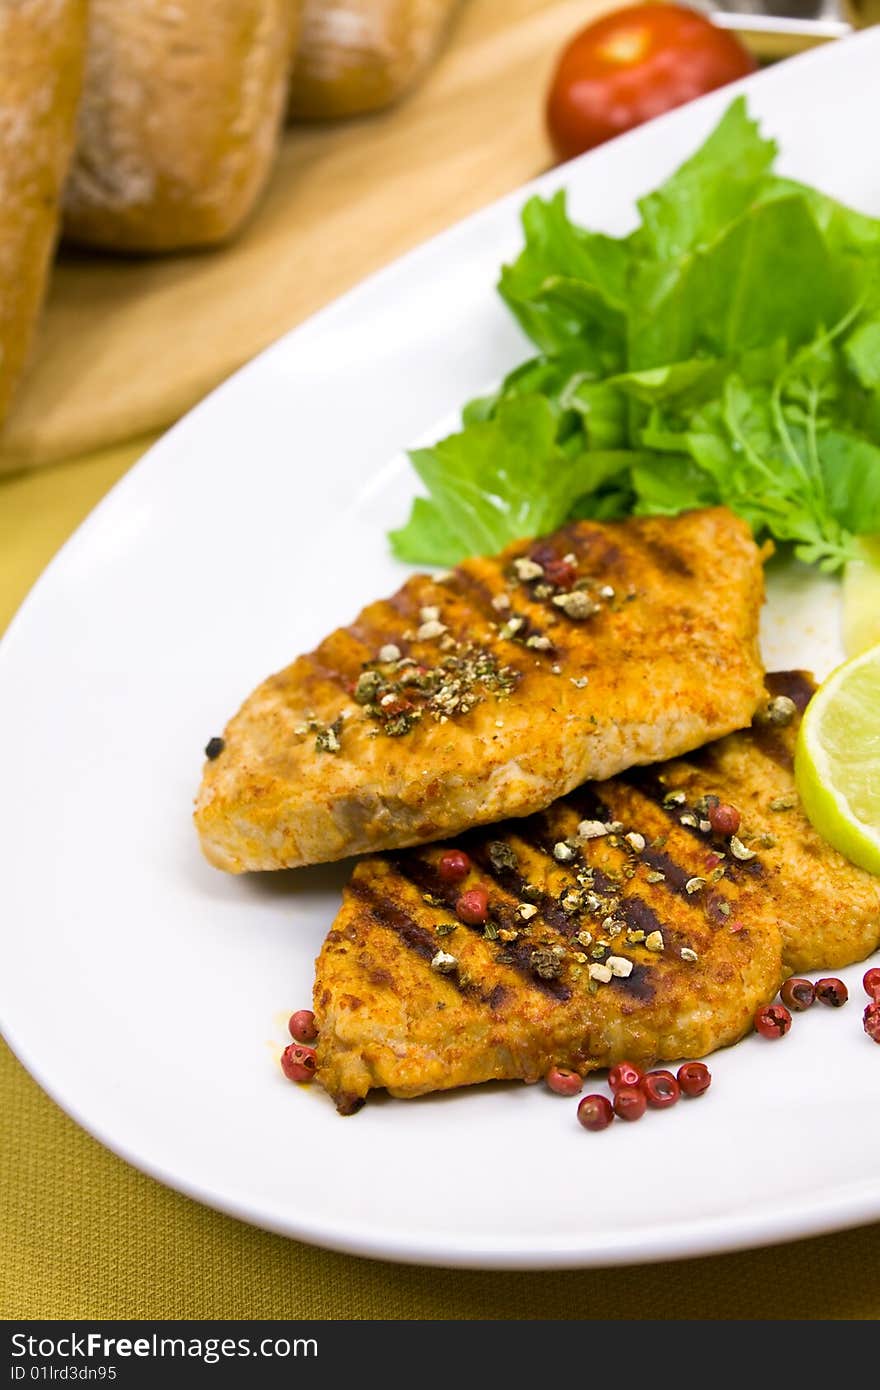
[[127, 346]]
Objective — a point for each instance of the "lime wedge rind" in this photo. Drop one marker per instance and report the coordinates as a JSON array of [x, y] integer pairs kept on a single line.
[[837, 762]]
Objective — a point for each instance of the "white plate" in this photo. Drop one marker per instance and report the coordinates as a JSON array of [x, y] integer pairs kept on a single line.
[[147, 992]]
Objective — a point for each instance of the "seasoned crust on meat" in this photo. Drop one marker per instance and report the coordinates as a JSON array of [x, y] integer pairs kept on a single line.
[[520, 999], [512, 1008], [828, 909], [488, 692]]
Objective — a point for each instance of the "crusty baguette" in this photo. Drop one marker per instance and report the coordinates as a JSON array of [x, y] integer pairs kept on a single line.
[[179, 120], [360, 55], [42, 43]]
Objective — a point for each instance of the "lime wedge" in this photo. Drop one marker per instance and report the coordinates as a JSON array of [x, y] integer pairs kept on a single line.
[[861, 597], [837, 762]]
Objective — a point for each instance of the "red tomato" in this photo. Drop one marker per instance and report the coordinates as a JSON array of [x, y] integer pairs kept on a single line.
[[634, 64]]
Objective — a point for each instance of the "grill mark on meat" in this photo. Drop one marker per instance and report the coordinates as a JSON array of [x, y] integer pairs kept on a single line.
[[574, 537], [469, 588], [388, 914], [641, 916], [374, 630], [581, 541], [603, 557], [737, 869], [519, 954], [639, 984], [382, 631], [424, 876], [635, 912], [420, 940], [674, 876], [539, 836], [331, 674], [405, 604], [665, 557], [645, 781], [372, 639], [513, 883], [589, 805]]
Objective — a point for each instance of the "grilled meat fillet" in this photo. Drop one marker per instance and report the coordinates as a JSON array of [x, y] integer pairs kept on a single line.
[[827, 909], [489, 691], [619, 926]]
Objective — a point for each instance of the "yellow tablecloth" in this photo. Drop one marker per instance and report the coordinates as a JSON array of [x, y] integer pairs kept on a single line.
[[126, 348], [85, 1236]]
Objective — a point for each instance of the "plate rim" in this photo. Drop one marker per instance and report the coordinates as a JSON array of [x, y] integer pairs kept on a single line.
[[819, 54], [672, 1241]]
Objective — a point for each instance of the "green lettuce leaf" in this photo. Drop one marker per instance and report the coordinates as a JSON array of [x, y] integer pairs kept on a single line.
[[732, 296], [769, 449], [497, 480], [862, 350], [710, 190], [851, 478], [568, 284], [726, 352]]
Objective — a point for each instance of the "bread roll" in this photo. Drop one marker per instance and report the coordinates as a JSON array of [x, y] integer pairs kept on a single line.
[[42, 43], [360, 55], [179, 119]]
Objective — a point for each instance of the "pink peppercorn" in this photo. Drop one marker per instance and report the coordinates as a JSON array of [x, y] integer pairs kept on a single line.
[[562, 1081], [473, 907], [453, 866], [871, 1020], [595, 1112], [302, 1026], [298, 1063]]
